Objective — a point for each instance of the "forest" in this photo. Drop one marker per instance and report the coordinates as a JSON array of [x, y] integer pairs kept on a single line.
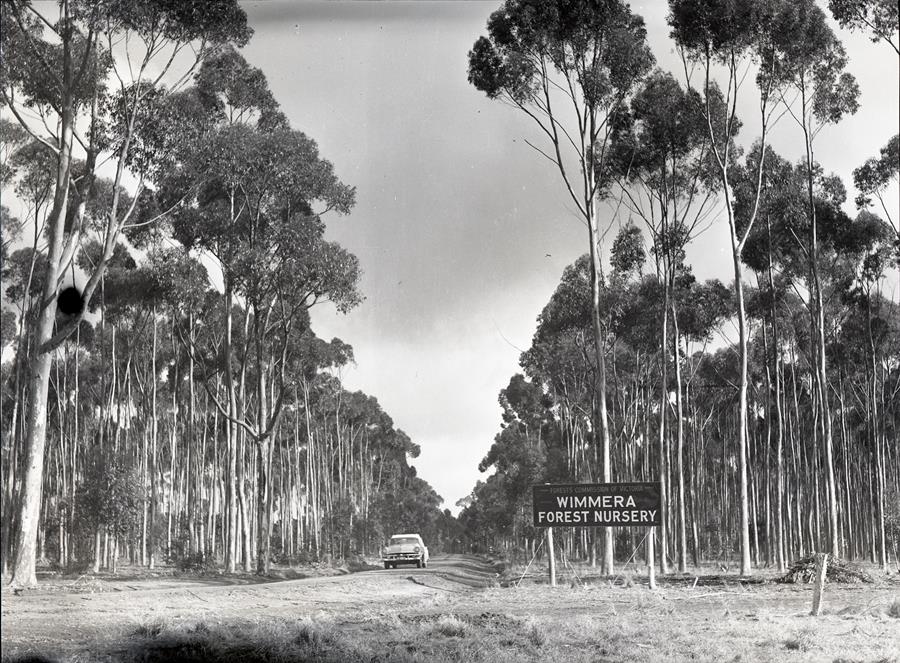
[[176, 407], [768, 446], [166, 400]]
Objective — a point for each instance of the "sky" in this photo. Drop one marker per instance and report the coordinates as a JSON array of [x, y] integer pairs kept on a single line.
[[462, 230]]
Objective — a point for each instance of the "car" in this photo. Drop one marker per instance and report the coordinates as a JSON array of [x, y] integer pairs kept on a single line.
[[405, 549]]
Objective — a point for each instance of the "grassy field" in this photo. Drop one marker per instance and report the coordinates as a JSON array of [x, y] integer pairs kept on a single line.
[[461, 611]]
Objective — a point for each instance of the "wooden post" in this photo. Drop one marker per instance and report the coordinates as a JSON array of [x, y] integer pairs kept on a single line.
[[819, 589], [651, 561], [552, 557]]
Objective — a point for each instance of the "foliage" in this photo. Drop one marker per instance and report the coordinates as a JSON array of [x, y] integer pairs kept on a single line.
[[877, 17], [137, 420], [874, 177], [111, 497], [628, 253]]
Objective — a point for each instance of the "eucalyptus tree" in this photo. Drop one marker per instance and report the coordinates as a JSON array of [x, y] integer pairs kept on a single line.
[[12, 136], [780, 252], [872, 246], [252, 195], [561, 358], [880, 18], [520, 452], [65, 71], [788, 504], [665, 170], [720, 34], [570, 67], [21, 275], [180, 283], [771, 253], [808, 60], [873, 179], [287, 274]]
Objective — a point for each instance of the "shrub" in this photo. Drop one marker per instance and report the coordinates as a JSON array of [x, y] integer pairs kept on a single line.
[[450, 626], [536, 636], [194, 563], [803, 641], [894, 609]]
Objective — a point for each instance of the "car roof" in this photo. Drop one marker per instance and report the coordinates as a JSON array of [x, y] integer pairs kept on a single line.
[[397, 536]]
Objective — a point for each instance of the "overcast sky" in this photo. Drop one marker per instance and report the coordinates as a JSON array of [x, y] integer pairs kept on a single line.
[[455, 215]]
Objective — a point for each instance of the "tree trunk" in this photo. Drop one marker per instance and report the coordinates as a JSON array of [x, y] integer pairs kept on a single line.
[[607, 561], [819, 335], [679, 457], [742, 404], [29, 507], [230, 520]]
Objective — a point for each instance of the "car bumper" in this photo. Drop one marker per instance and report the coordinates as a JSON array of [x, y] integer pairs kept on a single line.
[[402, 557]]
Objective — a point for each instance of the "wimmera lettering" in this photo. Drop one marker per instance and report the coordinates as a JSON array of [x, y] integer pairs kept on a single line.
[[595, 502]]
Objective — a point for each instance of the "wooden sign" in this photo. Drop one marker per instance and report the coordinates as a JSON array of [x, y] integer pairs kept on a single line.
[[597, 504]]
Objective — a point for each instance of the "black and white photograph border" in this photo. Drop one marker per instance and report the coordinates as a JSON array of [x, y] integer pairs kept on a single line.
[[450, 330]]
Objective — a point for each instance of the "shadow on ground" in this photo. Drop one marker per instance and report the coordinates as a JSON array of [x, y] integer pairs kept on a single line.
[[157, 642]]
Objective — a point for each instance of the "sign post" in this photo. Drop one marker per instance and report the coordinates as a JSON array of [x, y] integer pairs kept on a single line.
[[635, 504], [552, 557], [819, 589]]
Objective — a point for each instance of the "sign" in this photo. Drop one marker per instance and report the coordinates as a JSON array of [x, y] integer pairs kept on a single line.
[[597, 504]]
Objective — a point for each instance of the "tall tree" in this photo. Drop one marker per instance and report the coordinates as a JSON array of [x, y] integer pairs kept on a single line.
[[872, 180], [668, 181], [561, 61], [261, 190], [880, 18], [807, 58], [718, 32], [63, 78]]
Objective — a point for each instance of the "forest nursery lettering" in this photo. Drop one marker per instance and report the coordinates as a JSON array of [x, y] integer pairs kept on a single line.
[[597, 504]]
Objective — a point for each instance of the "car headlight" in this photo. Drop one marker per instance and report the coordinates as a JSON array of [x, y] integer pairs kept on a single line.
[[417, 549]]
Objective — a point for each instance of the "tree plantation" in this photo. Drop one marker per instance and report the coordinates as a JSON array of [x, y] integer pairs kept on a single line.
[[769, 448], [184, 416], [724, 333]]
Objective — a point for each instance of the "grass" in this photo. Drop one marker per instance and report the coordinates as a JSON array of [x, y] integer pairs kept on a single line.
[[594, 621], [804, 640], [536, 636], [894, 609], [272, 641], [442, 638], [450, 626], [450, 636]]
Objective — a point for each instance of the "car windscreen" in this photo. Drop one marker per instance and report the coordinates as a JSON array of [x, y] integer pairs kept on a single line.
[[403, 540]]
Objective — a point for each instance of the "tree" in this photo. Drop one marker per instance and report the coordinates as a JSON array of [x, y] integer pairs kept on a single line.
[[806, 57], [12, 136], [713, 32], [588, 57], [248, 195], [664, 167], [874, 177], [878, 17], [63, 78]]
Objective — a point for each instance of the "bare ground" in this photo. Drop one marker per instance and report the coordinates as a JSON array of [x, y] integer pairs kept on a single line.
[[455, 610]]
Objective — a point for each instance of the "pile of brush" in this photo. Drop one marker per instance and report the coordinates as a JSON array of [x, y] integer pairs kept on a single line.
[[839, 570]]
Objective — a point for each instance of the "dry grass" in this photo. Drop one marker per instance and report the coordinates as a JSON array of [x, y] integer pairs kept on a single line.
[[894, 609], [394, 618], [272, 641], [802, 641], [450, 626], [651, 630]]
